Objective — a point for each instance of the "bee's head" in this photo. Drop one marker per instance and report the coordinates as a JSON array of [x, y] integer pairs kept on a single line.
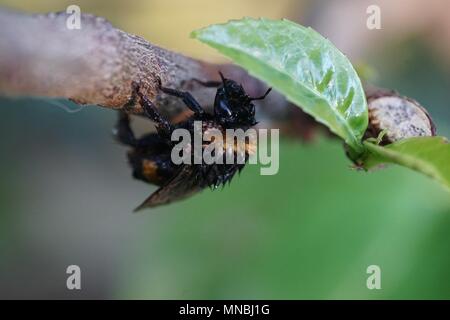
[[232, 106]]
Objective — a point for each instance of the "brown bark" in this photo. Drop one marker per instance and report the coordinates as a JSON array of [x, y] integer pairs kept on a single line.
[[40, 56]]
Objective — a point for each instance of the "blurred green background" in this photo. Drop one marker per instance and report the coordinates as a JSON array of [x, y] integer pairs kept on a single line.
[[66, 192]]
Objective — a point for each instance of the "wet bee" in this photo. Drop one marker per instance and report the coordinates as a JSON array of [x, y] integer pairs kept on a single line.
[[150, 155]]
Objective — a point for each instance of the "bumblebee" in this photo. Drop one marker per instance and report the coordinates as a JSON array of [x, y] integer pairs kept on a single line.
[[150, 155]]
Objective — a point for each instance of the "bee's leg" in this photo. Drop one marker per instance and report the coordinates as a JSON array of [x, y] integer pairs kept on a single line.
[[164, 127], [208, 84], [123, 132], [211, 175], [187, 98], [230, 172]]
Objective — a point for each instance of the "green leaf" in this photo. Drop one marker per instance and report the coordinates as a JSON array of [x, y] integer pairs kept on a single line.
[[429, 155], [302, 65]]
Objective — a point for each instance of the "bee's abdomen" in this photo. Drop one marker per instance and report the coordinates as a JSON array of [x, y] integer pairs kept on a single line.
[[156, 169]]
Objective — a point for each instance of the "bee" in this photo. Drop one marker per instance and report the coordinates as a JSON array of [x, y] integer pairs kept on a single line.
[[150, 155]]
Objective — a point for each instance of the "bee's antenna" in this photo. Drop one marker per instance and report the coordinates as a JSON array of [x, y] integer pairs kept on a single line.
[[262, 97]]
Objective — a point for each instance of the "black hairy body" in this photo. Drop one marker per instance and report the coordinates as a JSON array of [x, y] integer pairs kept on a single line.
[[150, 155]]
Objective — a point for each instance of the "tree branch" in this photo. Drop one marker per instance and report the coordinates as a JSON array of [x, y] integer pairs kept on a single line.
[[96, 64]]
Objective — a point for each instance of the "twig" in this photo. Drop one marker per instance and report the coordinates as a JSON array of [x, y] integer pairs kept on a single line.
[[40, 56]]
